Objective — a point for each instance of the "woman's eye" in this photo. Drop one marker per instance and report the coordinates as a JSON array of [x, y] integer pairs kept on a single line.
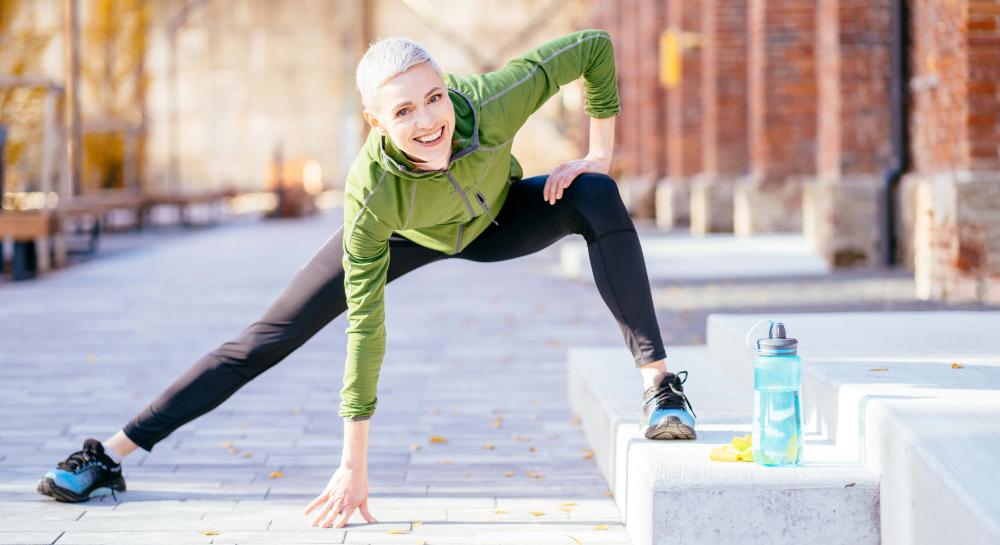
[[402, 112], [436, 97]]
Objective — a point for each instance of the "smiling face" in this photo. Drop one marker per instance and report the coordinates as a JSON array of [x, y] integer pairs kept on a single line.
[[414, 110]]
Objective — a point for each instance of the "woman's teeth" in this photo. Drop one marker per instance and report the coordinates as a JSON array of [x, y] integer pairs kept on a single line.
[[431, 138]]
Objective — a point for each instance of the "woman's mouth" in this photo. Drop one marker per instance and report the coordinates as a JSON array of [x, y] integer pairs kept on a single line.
[[431, 139]]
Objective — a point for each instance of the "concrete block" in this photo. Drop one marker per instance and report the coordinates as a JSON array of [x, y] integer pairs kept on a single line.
[[913, 395], [842, 219], [712, 205], [670, 492], [767, 208], [673, 203]]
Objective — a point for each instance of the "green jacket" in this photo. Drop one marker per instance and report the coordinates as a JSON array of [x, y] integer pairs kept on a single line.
[[447, 210]]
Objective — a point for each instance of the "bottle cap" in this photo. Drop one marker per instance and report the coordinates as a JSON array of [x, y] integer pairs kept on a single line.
[[776, 343]]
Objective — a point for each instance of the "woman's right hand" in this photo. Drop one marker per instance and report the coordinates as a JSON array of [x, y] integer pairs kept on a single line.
[[346, 491]]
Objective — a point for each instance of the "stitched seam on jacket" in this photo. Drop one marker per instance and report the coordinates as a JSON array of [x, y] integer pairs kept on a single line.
[[409, 214], [350, 234], [538, 65]]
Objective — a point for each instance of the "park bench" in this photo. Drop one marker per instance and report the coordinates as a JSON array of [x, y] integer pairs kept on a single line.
[[37, 239]]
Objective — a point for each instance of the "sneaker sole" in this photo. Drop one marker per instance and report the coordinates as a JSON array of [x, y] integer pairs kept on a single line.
[[47, 487], [670, 428]]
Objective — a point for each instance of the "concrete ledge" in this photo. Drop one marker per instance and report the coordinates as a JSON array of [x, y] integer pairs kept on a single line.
[[673, 256], [670, 492], [883, 388]]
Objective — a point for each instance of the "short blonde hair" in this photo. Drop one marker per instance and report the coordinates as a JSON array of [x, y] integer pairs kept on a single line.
[[386, 59]]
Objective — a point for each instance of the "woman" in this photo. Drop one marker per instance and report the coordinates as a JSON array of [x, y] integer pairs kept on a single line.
[[434, 180]]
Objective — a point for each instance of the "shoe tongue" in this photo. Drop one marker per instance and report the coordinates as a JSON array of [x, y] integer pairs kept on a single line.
[[666, 379], [94, 445]]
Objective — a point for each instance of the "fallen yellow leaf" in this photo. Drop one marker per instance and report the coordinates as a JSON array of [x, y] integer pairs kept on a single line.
[[607, 493], [415, 446], [247, 454], [565, 509], [956, 365], [601, 527], [519, 437], [575, 540], [501, 512], [879, 369], [397, 531], [489, 446], [575, 421], [497, 423], [227, 444], [537, 513], [568, 504], [91, 358], [437, 439], [532, 449], [417, 523], [588, 453], [276, 475], [508, 473], [210, 532], [446, 462]]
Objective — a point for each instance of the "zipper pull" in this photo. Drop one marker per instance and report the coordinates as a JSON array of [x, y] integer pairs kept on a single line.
[[486, 207]]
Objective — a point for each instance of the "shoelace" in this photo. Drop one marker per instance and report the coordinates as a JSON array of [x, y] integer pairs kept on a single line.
[[672, 396], [81, 460]]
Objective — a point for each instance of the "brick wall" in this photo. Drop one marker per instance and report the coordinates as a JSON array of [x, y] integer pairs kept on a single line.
[[724, 87], [684, 113], [841, 207], [782, 89], [955, 132], [652, 119]]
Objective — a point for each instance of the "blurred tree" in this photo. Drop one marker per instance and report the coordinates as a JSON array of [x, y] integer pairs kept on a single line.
[[22, 109], [115, 83]]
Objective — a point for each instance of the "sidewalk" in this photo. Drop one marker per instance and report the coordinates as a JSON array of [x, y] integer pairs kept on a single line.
[[87, 347]]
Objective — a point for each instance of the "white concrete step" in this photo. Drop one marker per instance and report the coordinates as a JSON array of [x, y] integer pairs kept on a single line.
[[672, 256], [881, 385], [670, 492]]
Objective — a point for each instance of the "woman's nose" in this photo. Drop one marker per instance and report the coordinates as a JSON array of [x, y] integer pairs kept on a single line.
[[424, 119]]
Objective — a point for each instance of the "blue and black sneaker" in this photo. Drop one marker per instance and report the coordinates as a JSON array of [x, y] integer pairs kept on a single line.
[[665, 408], [81, 473]]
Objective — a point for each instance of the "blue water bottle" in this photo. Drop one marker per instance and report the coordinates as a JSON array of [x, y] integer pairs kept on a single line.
[[777, 409]]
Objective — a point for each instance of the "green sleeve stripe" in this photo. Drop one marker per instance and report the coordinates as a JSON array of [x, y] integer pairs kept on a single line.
[[534, 69]]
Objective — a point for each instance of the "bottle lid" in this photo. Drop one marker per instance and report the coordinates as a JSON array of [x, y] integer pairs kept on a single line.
[[776, 343]]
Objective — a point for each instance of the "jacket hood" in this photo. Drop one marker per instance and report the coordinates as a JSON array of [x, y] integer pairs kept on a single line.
[[465, 140]]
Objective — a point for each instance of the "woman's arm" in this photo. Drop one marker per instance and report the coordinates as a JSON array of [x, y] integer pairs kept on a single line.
[[598, 159], [355, 454], [602, 141]]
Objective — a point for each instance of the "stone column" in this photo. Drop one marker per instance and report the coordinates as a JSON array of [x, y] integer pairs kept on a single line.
[[683, 118], [842, 208], [782, 116], [724, 115], [955, 142]]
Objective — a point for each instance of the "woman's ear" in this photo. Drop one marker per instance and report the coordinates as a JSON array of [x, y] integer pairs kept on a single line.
[[373, 121]]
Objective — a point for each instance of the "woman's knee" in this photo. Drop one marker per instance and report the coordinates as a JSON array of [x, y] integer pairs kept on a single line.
[[599, 205], [601, 187]]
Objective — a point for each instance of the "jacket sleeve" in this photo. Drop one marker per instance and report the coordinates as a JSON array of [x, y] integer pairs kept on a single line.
[[514, 92], [366, 264]]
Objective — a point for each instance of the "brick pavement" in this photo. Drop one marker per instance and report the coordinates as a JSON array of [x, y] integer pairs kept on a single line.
[[475, 355]]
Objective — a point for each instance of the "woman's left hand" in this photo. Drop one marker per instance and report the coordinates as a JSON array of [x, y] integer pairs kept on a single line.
[[564, 174]]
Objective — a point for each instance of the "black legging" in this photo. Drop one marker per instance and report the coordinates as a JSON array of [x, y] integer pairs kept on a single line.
[[590, 206]]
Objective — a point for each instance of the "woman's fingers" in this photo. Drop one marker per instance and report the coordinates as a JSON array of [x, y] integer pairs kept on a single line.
[[315, 503], [345, 515], [364, 511], [328, 513], [564, 183]]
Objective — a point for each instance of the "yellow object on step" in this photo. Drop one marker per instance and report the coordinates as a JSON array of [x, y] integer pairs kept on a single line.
[[738, 450]]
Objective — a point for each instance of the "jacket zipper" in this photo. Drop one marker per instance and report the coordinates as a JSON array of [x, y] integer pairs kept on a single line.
[[486, 207], [460, 191]]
